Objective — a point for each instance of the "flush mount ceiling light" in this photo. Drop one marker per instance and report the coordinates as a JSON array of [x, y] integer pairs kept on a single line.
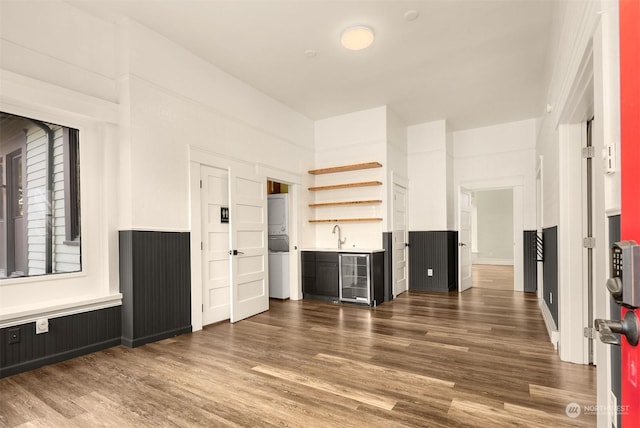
[[357, 38]]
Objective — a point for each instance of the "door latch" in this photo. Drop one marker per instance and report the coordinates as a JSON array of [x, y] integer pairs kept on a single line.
[[628, 326]]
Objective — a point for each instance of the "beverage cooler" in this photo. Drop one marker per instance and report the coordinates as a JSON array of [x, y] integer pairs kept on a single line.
[[355, 279]]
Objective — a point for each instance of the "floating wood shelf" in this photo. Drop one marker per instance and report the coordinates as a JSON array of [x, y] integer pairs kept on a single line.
[[343, 168], [345, 220], [346, 185], [329, 204]]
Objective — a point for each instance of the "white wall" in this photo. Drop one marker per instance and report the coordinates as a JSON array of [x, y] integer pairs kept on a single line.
[[397, 163], [348, 139], [56, 43], [188, 102], [494, 226], [135, 155], [428, 171], [501, 156], [496, 153], [63, 73], [586, 41], [451, 213]]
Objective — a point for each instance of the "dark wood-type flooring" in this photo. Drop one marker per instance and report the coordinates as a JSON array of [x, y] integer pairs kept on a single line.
[[478, 359]]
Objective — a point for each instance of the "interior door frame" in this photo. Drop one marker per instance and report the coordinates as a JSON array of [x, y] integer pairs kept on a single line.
[[463, 189], [295, 284], [198, 157], [517, 185], [403, 183]]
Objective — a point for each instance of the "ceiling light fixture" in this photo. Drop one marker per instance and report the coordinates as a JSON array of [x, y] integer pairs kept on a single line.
[[357, 38]]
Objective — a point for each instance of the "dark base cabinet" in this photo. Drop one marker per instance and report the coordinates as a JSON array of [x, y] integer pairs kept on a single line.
[[321, 275]]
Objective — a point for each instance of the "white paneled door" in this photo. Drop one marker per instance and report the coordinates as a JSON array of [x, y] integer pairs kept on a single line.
[[215, 245], [464, 239], [399, 239], [248, 243]]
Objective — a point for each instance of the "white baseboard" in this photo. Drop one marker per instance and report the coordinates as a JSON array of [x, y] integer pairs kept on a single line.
[[552, 329], [505, 262]]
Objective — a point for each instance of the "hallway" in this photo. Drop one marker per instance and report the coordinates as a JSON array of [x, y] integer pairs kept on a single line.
[[481, 358], [495, 277]]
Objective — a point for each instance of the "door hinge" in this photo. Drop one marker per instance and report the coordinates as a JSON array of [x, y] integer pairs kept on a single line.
[[201, 184], [588, 152], [203, 307], [590, 332], [589, 242], [201, 245]]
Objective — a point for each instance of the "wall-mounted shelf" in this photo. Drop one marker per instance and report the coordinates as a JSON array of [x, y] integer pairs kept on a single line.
[[346, 185], [331, 204], [345, 220], [344, 168]]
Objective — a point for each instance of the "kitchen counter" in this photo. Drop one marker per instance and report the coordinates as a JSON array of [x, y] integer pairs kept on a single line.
[[345, 250]]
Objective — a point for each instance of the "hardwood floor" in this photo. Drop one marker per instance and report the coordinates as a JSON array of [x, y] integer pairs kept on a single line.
[[477, 359], [495, 277]]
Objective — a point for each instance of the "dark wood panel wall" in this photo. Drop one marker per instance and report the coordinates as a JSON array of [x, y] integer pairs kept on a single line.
[[387, 245], [550, 270], [69, 336], [155, 281], [437, 250], [530, 245]]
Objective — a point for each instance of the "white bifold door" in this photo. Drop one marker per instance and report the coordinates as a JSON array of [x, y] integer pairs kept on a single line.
[[234, 253]]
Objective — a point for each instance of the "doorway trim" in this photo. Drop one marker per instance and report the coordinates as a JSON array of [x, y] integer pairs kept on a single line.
[[515, 183], [199, 156]]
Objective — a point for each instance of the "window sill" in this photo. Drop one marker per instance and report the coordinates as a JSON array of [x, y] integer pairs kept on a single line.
[[25, 314]]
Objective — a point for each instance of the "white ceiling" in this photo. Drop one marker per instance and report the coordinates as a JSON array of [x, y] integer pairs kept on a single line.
[[474, 62]]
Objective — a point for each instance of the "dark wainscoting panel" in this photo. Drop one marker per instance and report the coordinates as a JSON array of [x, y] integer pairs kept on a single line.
[[387, 245], [68, 337], [155, 281], [437, 250], [614, 236], [550, 270], [530, 245]]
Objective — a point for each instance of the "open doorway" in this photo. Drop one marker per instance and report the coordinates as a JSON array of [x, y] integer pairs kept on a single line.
[[465, 222], [278, 215], [492, 239]]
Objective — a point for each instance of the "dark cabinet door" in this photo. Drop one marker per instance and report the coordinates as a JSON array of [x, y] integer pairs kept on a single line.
[[309, 273], [320, 274], [327, 274]]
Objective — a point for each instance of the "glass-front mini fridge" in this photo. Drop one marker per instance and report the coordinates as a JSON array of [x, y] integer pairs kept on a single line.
[[355, 282]]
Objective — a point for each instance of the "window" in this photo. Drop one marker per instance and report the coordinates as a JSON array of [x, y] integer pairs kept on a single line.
[[40, 207]]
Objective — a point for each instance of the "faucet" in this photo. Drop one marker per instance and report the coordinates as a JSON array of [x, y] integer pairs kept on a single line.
[[340, 240]]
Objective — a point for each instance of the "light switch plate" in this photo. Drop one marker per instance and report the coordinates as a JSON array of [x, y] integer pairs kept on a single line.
[[429, 272]]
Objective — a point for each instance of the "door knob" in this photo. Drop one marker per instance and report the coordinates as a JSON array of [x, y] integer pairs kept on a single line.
[[628, 326]]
